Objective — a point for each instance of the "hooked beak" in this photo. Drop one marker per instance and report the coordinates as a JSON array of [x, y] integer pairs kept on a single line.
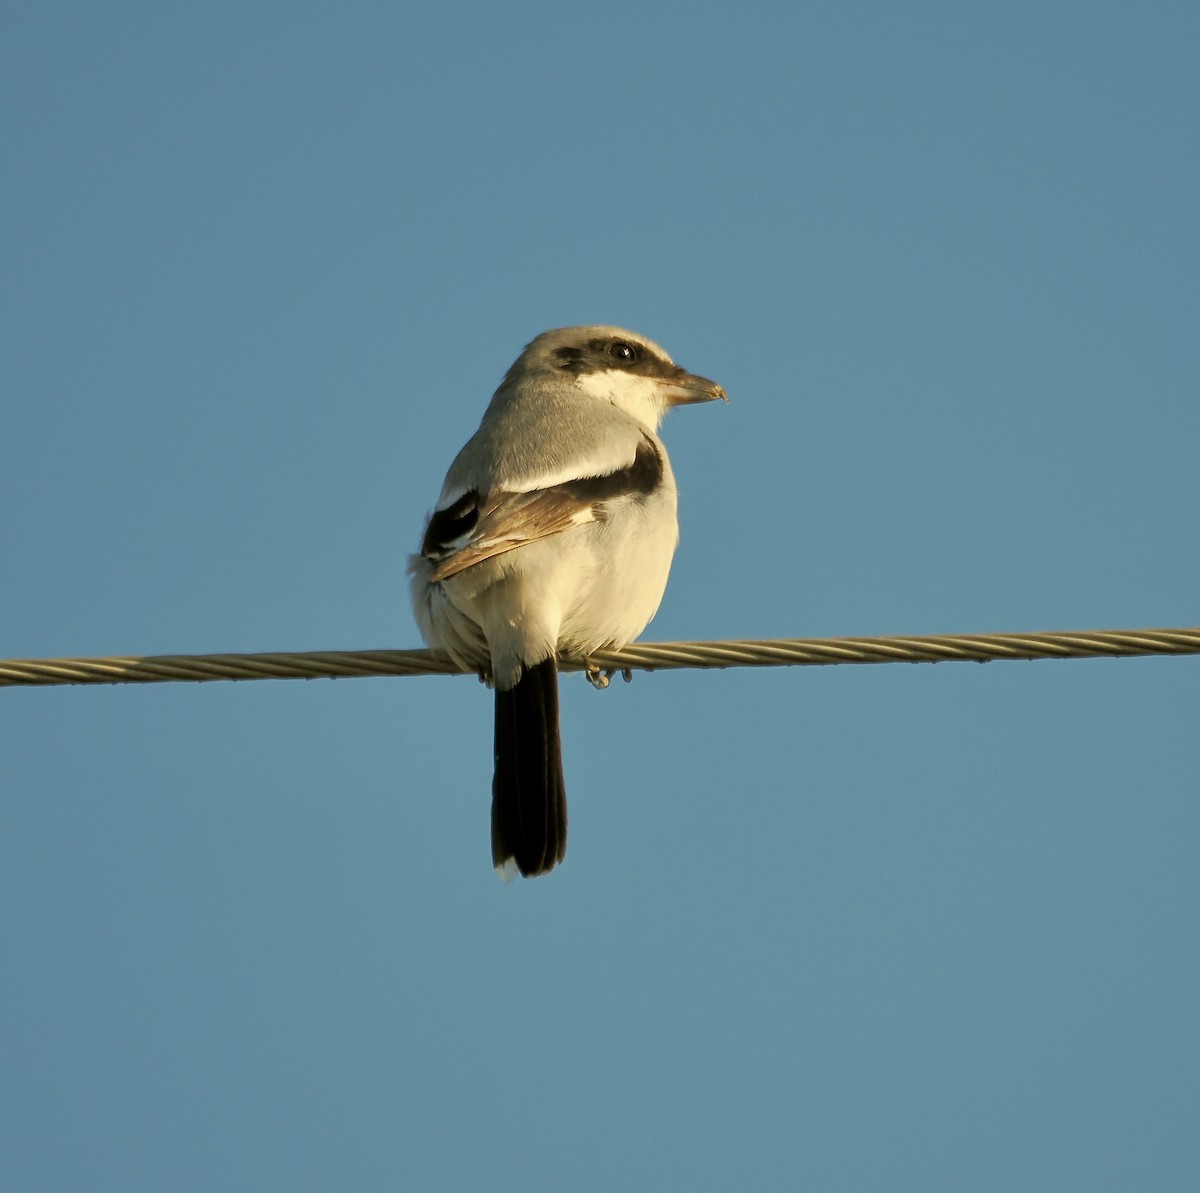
[[685, 388]]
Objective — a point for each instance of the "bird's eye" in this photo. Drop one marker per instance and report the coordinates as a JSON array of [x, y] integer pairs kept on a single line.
[[623, 352]]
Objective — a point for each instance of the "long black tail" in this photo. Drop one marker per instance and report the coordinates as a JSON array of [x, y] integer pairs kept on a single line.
[[529, 797]]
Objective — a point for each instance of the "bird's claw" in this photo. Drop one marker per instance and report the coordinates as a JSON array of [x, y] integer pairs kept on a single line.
[[601, 677]]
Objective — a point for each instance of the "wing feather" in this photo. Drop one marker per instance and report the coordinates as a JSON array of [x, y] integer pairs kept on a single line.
[[475, 527]]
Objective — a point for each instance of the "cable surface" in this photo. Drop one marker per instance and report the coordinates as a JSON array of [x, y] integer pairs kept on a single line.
[[645, 656]]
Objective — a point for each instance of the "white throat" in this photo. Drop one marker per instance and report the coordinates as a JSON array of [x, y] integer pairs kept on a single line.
[[639, 397]]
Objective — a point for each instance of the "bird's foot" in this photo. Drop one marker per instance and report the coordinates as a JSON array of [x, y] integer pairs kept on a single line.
[[601, 677]]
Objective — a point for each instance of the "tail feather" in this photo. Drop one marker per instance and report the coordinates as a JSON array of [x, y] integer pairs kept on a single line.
[[529, 797]]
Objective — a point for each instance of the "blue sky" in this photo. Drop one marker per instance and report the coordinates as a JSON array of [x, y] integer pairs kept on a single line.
[[836, 928]]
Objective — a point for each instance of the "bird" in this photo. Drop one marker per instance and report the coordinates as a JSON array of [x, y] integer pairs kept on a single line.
[[553, 535]]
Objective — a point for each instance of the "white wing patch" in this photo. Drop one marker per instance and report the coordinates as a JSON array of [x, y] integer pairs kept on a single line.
[[478, 526]]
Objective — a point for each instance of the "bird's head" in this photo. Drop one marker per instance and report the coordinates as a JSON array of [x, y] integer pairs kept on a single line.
[[614, 365]]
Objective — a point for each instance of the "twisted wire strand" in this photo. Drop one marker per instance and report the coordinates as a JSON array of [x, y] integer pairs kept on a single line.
[[646, 656]]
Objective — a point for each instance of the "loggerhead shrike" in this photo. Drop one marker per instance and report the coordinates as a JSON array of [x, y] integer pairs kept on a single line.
[[553, 533]]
